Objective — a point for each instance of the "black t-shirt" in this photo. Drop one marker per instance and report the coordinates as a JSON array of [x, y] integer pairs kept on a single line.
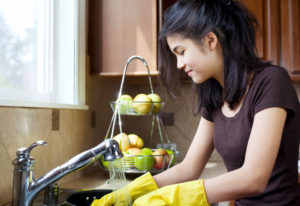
[[270, 87]]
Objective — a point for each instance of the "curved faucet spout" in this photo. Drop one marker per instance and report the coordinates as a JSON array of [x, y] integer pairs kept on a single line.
[[25, 188], [112, 151]]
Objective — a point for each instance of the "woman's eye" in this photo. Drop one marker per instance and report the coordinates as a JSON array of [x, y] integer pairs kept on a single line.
[[181, 52]]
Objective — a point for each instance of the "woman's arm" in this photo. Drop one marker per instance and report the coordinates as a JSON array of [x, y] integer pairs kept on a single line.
[[195, 160], [261, 154]]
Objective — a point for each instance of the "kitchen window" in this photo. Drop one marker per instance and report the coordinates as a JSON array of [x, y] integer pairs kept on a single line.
[[42, 55]]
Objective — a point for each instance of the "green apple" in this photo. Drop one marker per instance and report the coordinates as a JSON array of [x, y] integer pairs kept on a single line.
[[142, 104], [172, 155], [125, 104], [127, 160], [156, 100], [147, 150], [129, 157], [143, 161], [125, 97]]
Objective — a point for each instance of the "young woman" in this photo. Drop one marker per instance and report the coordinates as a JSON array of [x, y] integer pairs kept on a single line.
[[249, 110]]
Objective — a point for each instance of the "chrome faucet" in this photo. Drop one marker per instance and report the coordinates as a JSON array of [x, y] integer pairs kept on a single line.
[[26, 187]]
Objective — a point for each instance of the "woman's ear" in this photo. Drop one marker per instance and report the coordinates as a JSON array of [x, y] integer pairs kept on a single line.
[[211, 40]]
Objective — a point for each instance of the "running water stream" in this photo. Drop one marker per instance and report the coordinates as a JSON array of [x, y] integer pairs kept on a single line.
[[117, 181]]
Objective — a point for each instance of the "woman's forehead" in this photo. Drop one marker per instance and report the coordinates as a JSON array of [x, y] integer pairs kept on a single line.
[[175, 39]]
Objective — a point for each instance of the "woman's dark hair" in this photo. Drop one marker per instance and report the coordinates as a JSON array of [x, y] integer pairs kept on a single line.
[[234, 27]]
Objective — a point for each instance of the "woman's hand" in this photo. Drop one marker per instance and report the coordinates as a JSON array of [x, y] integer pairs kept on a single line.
[[184, 194], [122, 197]]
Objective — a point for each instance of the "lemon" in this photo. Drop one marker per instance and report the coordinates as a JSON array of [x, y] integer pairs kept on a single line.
[[133, 151], [155, 98], [142, 104], [143, 162], [135, 141], [123, 141]]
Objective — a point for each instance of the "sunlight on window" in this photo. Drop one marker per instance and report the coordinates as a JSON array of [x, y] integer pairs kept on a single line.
[[39, 50], [18, 45]]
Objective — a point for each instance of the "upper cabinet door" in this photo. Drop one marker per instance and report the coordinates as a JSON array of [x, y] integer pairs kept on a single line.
[[278, 37], [290, 36], [119, 29], [268, 31]]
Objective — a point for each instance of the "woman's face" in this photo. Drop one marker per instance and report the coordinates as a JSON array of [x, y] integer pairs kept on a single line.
[[200, 62]]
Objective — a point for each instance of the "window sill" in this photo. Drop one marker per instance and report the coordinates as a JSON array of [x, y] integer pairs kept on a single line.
[[29, 104]]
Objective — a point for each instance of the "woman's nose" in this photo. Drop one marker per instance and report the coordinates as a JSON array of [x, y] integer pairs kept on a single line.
[[180, 64]]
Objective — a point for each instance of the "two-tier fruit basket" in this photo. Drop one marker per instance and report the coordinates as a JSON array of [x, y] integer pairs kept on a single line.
[[139, 158]]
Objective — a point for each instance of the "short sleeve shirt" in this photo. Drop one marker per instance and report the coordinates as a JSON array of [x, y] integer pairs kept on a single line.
[[270, 87]]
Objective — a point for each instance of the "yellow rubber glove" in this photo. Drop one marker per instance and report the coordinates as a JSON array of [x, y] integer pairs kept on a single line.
[[138, 187], [184, 194]]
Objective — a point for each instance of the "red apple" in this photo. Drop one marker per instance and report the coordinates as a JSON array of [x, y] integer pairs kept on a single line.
[[159, 155]]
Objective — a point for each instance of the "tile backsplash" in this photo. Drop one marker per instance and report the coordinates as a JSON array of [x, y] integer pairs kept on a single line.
[[78, 130], [72, 134]]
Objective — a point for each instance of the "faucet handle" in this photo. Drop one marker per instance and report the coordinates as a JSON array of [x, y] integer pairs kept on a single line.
[[25, 152]]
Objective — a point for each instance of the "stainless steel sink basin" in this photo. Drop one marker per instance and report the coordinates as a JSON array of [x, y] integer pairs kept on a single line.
[[85, 198]]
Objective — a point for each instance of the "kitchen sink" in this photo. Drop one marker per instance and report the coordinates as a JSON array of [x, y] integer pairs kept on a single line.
[[71, 197], [85, 198]]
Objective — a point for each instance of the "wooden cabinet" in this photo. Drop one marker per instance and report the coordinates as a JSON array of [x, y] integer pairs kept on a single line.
[[278, 37], [290, 36], [119, 29]]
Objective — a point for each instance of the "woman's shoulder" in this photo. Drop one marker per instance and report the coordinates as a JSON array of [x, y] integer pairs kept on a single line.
[[271, 70], [272, 86], [272, 73]]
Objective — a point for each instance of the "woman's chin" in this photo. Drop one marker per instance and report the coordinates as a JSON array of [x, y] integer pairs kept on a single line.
[[197, 80]]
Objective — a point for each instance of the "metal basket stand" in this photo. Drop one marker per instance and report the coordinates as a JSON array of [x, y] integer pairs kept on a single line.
[[155, 120]]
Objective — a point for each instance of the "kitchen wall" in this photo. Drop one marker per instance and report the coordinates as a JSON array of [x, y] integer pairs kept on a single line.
[[20, 127], [77, 132]]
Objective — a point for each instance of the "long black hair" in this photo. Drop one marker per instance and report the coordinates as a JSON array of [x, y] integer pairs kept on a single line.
[[234, 25]]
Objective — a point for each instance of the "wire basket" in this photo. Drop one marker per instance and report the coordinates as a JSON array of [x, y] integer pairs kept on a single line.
[[146, 162], [137, 108]]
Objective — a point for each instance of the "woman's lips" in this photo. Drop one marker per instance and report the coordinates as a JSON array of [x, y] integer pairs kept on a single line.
[[189, 72]]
